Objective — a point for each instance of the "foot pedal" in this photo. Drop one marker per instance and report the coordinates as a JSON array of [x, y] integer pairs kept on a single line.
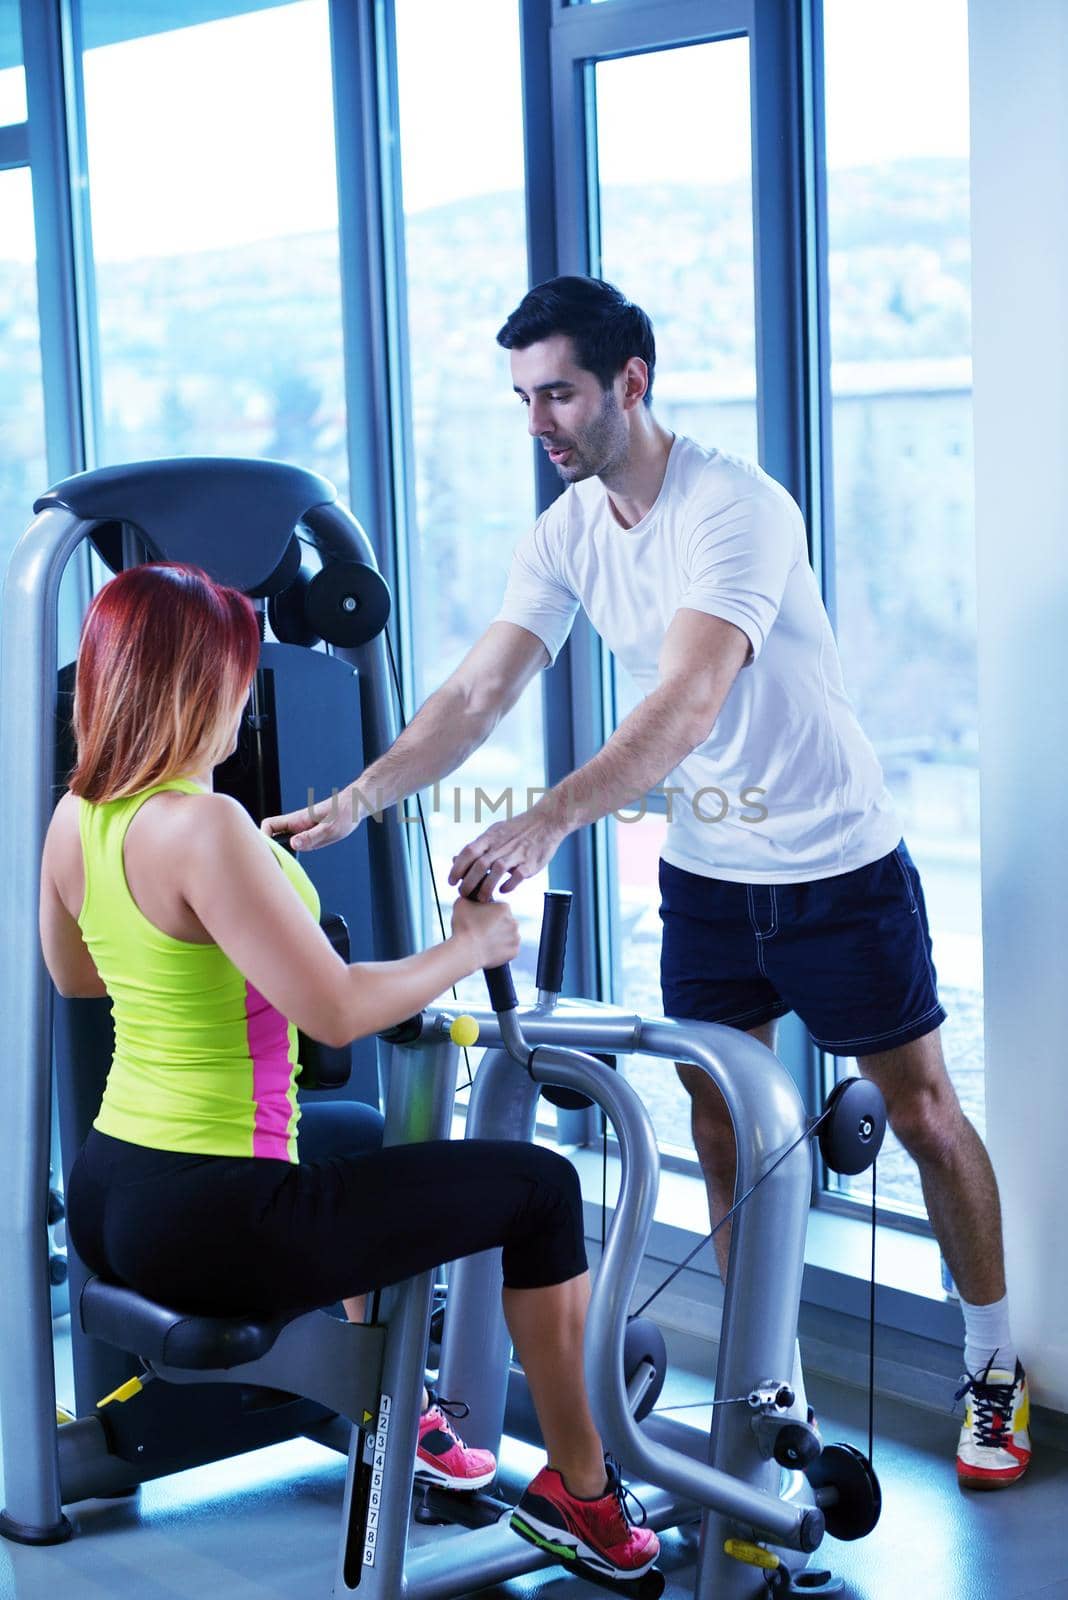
[[650, 1586], [426, 1513], [470, 1508], [780, 1580], [807, 1582]]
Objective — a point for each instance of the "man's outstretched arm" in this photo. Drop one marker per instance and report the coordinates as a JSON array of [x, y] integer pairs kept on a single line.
[[699, 661], [450, 724]]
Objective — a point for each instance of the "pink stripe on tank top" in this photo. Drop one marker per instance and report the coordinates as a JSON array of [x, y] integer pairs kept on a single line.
[[268, 1045]]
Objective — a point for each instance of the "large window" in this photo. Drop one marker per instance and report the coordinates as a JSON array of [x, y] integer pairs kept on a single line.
[[214, 218], [675, 214], [464, 221], [23, 472], [904, 566]]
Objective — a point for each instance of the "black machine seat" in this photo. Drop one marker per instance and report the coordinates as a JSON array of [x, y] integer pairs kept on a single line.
[[120, 1317]]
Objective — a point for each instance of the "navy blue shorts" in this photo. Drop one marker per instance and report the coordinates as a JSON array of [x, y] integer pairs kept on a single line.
[[851, 955]]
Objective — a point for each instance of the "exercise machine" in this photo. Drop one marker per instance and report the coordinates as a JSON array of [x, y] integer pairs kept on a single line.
[[232, 1384]]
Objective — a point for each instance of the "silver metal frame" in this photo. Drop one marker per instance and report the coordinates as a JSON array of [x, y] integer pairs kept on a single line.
[[763, 1290]]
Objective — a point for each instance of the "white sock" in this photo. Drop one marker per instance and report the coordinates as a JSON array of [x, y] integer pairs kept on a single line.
[[987, 1336]]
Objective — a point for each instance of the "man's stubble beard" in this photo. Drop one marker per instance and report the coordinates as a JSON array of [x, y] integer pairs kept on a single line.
[[602, 447]]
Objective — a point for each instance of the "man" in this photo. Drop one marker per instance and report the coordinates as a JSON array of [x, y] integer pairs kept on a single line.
[[692, 565]]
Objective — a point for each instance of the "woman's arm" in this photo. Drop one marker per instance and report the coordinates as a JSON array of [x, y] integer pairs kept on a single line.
[[71, 966], [231, 881]]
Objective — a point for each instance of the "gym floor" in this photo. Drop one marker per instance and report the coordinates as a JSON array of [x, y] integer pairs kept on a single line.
[[265, 1526]]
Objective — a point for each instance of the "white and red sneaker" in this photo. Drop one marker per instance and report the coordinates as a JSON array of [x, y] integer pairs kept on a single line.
[[597, 1535], [995, 1446], [441, 1456]]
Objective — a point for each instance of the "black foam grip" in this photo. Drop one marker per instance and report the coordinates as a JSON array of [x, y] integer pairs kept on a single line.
[[553, 945], [501, 988]]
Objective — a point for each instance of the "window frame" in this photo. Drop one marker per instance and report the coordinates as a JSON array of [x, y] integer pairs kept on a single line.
[[562, 44], [557, 41]]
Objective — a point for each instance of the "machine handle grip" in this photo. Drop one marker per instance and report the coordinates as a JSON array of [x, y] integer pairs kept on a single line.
[[553, 945], [501, 988], [499, 983]]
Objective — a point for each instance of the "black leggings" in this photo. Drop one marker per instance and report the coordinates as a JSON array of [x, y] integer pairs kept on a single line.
[[234, 1235]]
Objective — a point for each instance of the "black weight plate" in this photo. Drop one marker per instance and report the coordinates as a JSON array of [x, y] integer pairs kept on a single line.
[[347, 603], [847, 1491], [852, 1135]]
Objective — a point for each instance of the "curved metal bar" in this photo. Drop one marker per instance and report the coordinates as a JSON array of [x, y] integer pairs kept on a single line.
[[763, 1288], [477, 1345], [586, 1024], [28, 642], [797, 1527]]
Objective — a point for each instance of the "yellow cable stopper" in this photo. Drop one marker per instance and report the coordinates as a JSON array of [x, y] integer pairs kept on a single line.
[[125, 1391], [754, 1554], [464, 1031]]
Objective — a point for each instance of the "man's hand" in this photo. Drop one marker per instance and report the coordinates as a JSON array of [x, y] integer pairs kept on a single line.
[[312, 827], [506, 854]]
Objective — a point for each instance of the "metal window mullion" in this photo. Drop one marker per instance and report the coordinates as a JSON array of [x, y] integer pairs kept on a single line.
[[84, 254], [786, 415], [57, 171], [779, 244], [363, 249], [820, 520], [569, 737], [818, 308], [373, 301], [628, 27], [14, 146]]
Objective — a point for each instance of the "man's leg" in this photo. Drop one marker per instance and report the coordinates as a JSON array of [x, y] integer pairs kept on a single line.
[[713, 1137], [962, 1203], [958, 1181]]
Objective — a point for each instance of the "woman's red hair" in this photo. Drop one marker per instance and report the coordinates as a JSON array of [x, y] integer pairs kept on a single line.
[[165, 661]]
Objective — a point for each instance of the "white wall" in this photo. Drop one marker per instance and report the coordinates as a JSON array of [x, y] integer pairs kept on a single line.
[[1019, 96]]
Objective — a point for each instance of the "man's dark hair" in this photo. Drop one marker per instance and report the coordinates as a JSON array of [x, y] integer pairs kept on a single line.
[[605, 327]]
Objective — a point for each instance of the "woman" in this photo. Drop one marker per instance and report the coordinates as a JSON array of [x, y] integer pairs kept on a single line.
[[166, 897]]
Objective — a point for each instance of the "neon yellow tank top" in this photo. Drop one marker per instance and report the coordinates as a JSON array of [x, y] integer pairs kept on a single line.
[[202, 1063]]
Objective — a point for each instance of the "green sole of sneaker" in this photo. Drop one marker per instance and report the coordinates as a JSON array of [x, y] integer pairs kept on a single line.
[[648, 1585]]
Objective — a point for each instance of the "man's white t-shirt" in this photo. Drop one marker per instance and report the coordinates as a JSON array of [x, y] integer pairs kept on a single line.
[[787, 788]]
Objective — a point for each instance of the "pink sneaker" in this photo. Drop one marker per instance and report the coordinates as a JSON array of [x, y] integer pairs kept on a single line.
[[442, 1457], [597, 1534]]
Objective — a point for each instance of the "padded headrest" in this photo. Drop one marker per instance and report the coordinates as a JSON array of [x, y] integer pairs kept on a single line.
[[234, 518]]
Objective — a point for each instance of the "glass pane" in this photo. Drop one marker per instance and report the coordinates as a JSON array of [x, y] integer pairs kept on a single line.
[[12, 75], [214, 215], [466, 267], [899, 269], [23, 471], [688, 179]]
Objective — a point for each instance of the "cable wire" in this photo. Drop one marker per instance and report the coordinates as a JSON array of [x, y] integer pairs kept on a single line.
[[871, 1324], [753, 1187]]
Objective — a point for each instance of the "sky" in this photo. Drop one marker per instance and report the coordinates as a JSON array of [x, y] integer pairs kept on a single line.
[[221, 134]]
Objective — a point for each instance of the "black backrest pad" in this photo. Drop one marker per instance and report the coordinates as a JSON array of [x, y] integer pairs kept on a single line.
[[234, 518]]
